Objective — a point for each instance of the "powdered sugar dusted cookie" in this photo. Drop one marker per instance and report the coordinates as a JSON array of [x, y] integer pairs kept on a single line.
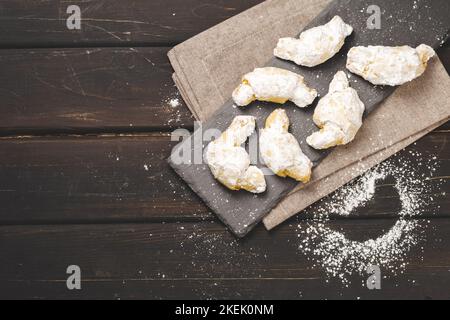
[[280, 150], [392, 66], [274, 85], [315, 46], [339, 115], [230, 163]]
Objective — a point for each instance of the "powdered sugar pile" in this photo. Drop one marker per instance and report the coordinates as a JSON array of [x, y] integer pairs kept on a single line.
[[175, 102], [341, 257], [353, 196]]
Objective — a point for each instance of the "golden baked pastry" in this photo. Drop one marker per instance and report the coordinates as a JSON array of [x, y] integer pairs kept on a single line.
[[391, 66], [315, 46], [281, 152], [229, 161], [273, 85], [339, 115]]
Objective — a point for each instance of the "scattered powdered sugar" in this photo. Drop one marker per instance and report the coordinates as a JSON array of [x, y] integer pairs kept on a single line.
[[219, 247], [175, 102], [341, 257], [173, 105], [351, 197]]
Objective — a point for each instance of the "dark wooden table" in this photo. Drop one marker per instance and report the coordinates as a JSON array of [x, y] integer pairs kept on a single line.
[[85, 132]]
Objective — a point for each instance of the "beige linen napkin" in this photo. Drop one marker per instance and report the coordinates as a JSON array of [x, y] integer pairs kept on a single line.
[[208, 67]]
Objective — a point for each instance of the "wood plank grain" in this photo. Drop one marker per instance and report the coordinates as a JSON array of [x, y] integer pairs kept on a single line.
[[88, 90], [111, 23], [92, 179], [203, 260], [444, 55], [444, 128], [127, 179]]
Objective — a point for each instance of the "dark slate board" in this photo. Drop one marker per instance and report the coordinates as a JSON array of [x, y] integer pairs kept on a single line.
[[405, 22]]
